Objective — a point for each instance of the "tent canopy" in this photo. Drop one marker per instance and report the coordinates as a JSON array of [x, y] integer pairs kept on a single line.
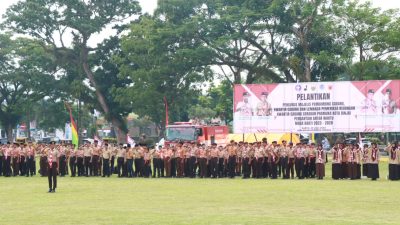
[[252, 137]]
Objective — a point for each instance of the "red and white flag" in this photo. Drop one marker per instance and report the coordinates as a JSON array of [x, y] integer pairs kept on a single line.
[[99, 141], [130, 141], [360, 141]]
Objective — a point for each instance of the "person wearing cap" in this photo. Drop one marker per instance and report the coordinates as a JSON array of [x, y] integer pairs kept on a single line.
[[259, 156], [312, 161], [265, 166], [300, 160], [393, 152], [30, 161], [291, 160], [72, 159], [245, 161], [244, 107], [106, 156], [238, 169], [373, 158], [15, 159], [232, 155], [120, 160], [53, 156], [213, 160], [179, 159], [79, 161], [22, 159], [87, 157], [283, 160], [156, 163], [95, 158], [129, 161], [320, 162], [369, 104], [273, 160], [7, 161], [264, 107], [221, 162], [389, 105], [146, 162]]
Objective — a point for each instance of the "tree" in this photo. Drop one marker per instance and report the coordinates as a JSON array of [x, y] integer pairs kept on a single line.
[[162, 62], [373, 35], [26, 73], [53, 21]]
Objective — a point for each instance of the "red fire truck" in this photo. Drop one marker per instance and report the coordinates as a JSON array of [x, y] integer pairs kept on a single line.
[[202, 134]]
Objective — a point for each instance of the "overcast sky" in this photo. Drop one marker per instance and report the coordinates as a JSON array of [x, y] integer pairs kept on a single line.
[[150, 5]]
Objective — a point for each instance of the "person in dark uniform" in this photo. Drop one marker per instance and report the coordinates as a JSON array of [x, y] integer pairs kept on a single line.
[[53, 166]]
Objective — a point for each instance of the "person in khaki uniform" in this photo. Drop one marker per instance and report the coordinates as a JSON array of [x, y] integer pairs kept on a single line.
[[245, 162], [213, 160], [221, 162], [129, 161], [156, 162], [365, 153], [106, 155], [239, 159], [291, 160], [373, 158], [352, 162], [232, 155], [393, 151], [180, 157], [345, 163], [320, 162], [336, 163], [283, 160]]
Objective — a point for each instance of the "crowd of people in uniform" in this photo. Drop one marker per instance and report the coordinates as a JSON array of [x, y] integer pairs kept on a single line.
[[248, 160]]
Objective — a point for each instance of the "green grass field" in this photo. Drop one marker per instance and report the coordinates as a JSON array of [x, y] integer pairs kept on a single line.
[[199, 201]]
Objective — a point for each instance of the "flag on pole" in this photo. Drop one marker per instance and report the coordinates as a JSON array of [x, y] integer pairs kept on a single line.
[[74, 128], [130, 141], [99, 141]]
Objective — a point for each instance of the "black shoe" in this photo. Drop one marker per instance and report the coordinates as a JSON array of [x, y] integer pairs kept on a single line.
[[54, 191], [50, 190]]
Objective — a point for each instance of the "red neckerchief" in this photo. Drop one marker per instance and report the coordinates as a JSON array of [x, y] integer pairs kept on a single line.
[[51, 159], [373, 154], [393, 153], [320, 154], [335, 154]]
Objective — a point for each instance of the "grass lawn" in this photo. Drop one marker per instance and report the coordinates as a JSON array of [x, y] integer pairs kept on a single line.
[[199, 201]]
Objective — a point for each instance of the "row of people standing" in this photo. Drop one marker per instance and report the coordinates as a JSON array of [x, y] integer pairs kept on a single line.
[[256, 160]]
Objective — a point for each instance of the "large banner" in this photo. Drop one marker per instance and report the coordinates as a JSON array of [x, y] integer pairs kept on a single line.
[[323, 107]]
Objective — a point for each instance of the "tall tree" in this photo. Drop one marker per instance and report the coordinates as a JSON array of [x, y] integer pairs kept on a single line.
[[26, 73], [163, 62], [54, 21]]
